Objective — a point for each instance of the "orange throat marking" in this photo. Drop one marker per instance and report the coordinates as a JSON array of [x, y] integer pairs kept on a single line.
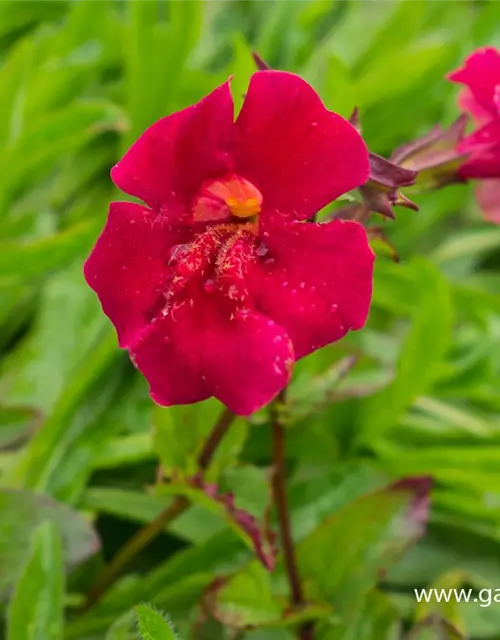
[[228, 197]]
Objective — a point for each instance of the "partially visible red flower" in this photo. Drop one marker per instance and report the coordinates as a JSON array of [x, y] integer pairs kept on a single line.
[[219, 283], [481, 99]]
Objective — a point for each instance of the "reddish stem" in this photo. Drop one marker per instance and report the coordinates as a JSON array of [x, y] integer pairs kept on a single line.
[[280, 499]]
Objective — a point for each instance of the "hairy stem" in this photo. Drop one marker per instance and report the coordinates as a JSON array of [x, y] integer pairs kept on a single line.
[[281, 502], [151, 530]]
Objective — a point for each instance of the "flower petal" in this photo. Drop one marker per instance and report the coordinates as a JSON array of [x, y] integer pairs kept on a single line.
[[481, 73], [482, 150], [488, 198], [316, 281], [469, 104], [199, 351], [172, 158], [127, 267], [297, 153]]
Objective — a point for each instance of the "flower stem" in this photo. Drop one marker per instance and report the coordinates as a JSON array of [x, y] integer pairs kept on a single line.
[[151, 530], [281, 502]]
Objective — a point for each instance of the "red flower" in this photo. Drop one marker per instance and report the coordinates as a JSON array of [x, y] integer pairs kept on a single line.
[[481, 99], [218, 284]]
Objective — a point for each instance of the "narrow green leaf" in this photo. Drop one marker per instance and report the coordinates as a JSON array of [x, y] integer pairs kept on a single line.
[[36, 609], [473, 242], [38, 258], [40, 148], [125, 450], [195, 525], [16, 15], [16, 423], [421, 356], [121, 629]]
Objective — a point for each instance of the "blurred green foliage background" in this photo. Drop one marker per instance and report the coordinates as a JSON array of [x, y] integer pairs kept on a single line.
[[80, 441]]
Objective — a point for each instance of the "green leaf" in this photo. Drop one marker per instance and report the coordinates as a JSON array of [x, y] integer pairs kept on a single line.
[[121, 629], [448, 610], [473, 465], [22, 512], [222, 553], [310, 394], [153, 625], [255, 533], [179, 597], [67, 330], [343, 565], [473, 242], [195, 525], [180, 433], [421, 356], [125, 450], [375, 617], [331, 77], [67, 367], [16, 423], [40, 148], [36, 609], [168, 42], [35, 259], [435, 628], [19, 15], [246, 599]]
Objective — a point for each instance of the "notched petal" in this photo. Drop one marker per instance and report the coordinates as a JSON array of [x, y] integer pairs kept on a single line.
[[297, 153], [167, 164]]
